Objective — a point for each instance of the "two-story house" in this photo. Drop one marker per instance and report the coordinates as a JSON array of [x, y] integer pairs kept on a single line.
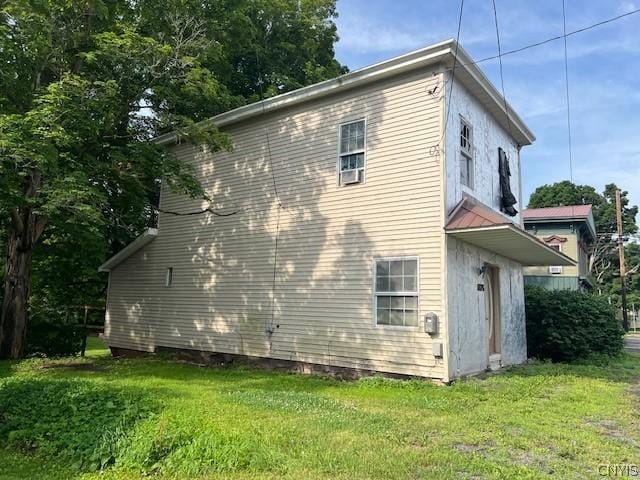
[[569, 229], [364, 223]]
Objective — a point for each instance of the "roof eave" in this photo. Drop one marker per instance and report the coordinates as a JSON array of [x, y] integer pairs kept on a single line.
[[142, 240], [555, 219], [588, 220], [523, 135], [443, 52]]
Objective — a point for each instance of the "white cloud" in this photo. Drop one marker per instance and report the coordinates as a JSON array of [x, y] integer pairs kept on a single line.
[[372, 34], [369, 38], [626, 7]]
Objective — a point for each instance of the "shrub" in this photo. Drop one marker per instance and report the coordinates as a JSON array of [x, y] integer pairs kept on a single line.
[[54, 339], [566, 325]]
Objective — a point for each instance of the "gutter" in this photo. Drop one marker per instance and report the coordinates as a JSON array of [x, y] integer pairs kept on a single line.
[[147, 237], [404, 63]]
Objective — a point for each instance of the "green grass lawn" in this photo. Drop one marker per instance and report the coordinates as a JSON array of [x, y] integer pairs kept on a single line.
[[144, 417]]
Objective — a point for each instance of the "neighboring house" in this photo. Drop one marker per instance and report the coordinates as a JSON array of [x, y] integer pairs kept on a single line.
[[570, 230], [351, 230]]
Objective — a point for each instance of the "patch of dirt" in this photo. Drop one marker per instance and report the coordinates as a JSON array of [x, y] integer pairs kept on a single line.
[[522, 457], [613, 430], [468, 448], [634, 390], [532, 459], [77, 367]]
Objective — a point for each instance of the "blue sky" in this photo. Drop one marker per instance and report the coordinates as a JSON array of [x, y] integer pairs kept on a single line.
[[604, 74]]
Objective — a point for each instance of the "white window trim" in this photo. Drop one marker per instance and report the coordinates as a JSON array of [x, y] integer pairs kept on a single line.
[[363, 151], [468, 154], [552, 245], [399, 294]]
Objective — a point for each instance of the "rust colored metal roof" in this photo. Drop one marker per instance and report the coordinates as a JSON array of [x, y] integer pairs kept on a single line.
[[569, 211], [469, 213], [477, 224]]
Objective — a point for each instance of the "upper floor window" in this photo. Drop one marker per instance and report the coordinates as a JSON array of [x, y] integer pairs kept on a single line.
[[555, 270], [352, 152], [396, 291], [466, 154]]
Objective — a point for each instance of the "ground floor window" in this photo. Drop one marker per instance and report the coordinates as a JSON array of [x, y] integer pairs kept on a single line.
[[396, 291]]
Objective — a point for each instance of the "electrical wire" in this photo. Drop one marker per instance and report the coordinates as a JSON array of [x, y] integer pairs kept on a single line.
[[266, 131], [566, 80], [435, 148], [269, 328], [198, 212], [275, 271], [453, 73], [504, 96], [552, 39]]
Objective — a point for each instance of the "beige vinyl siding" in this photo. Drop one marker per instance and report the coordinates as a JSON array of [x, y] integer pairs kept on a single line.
[[221, 296], [569, 248]]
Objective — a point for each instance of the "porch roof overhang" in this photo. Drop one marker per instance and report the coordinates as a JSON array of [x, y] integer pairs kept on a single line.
[[513, 243], [149, 235], [479, 225]]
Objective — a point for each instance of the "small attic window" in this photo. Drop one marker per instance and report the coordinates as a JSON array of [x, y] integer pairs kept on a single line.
[[168, 279]]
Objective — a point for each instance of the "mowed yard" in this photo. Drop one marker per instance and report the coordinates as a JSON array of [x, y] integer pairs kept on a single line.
[[65, 419]]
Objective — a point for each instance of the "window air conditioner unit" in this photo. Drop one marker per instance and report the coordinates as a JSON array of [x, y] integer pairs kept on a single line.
[[555, 270], [350, 176]]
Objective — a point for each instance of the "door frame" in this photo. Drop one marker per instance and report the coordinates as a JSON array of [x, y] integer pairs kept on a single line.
[[493, 314]]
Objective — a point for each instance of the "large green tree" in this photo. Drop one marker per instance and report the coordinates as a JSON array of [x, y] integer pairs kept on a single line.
[[84, 86]]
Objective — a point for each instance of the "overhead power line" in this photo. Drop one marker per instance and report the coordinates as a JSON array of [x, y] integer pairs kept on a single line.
[[453, 72], [566, 81], [504, 96], [553, 39]]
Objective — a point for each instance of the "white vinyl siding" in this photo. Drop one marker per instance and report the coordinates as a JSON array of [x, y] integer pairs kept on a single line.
[[328, 238]]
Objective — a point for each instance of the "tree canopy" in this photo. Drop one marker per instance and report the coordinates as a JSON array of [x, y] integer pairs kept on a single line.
[[86, 84], [604, 204]]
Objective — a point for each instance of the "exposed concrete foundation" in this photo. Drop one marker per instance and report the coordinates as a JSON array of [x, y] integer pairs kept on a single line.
[[127, 352], [228, 359]]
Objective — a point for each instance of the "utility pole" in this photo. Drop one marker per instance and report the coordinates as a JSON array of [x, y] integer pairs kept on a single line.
[[623, 291]]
